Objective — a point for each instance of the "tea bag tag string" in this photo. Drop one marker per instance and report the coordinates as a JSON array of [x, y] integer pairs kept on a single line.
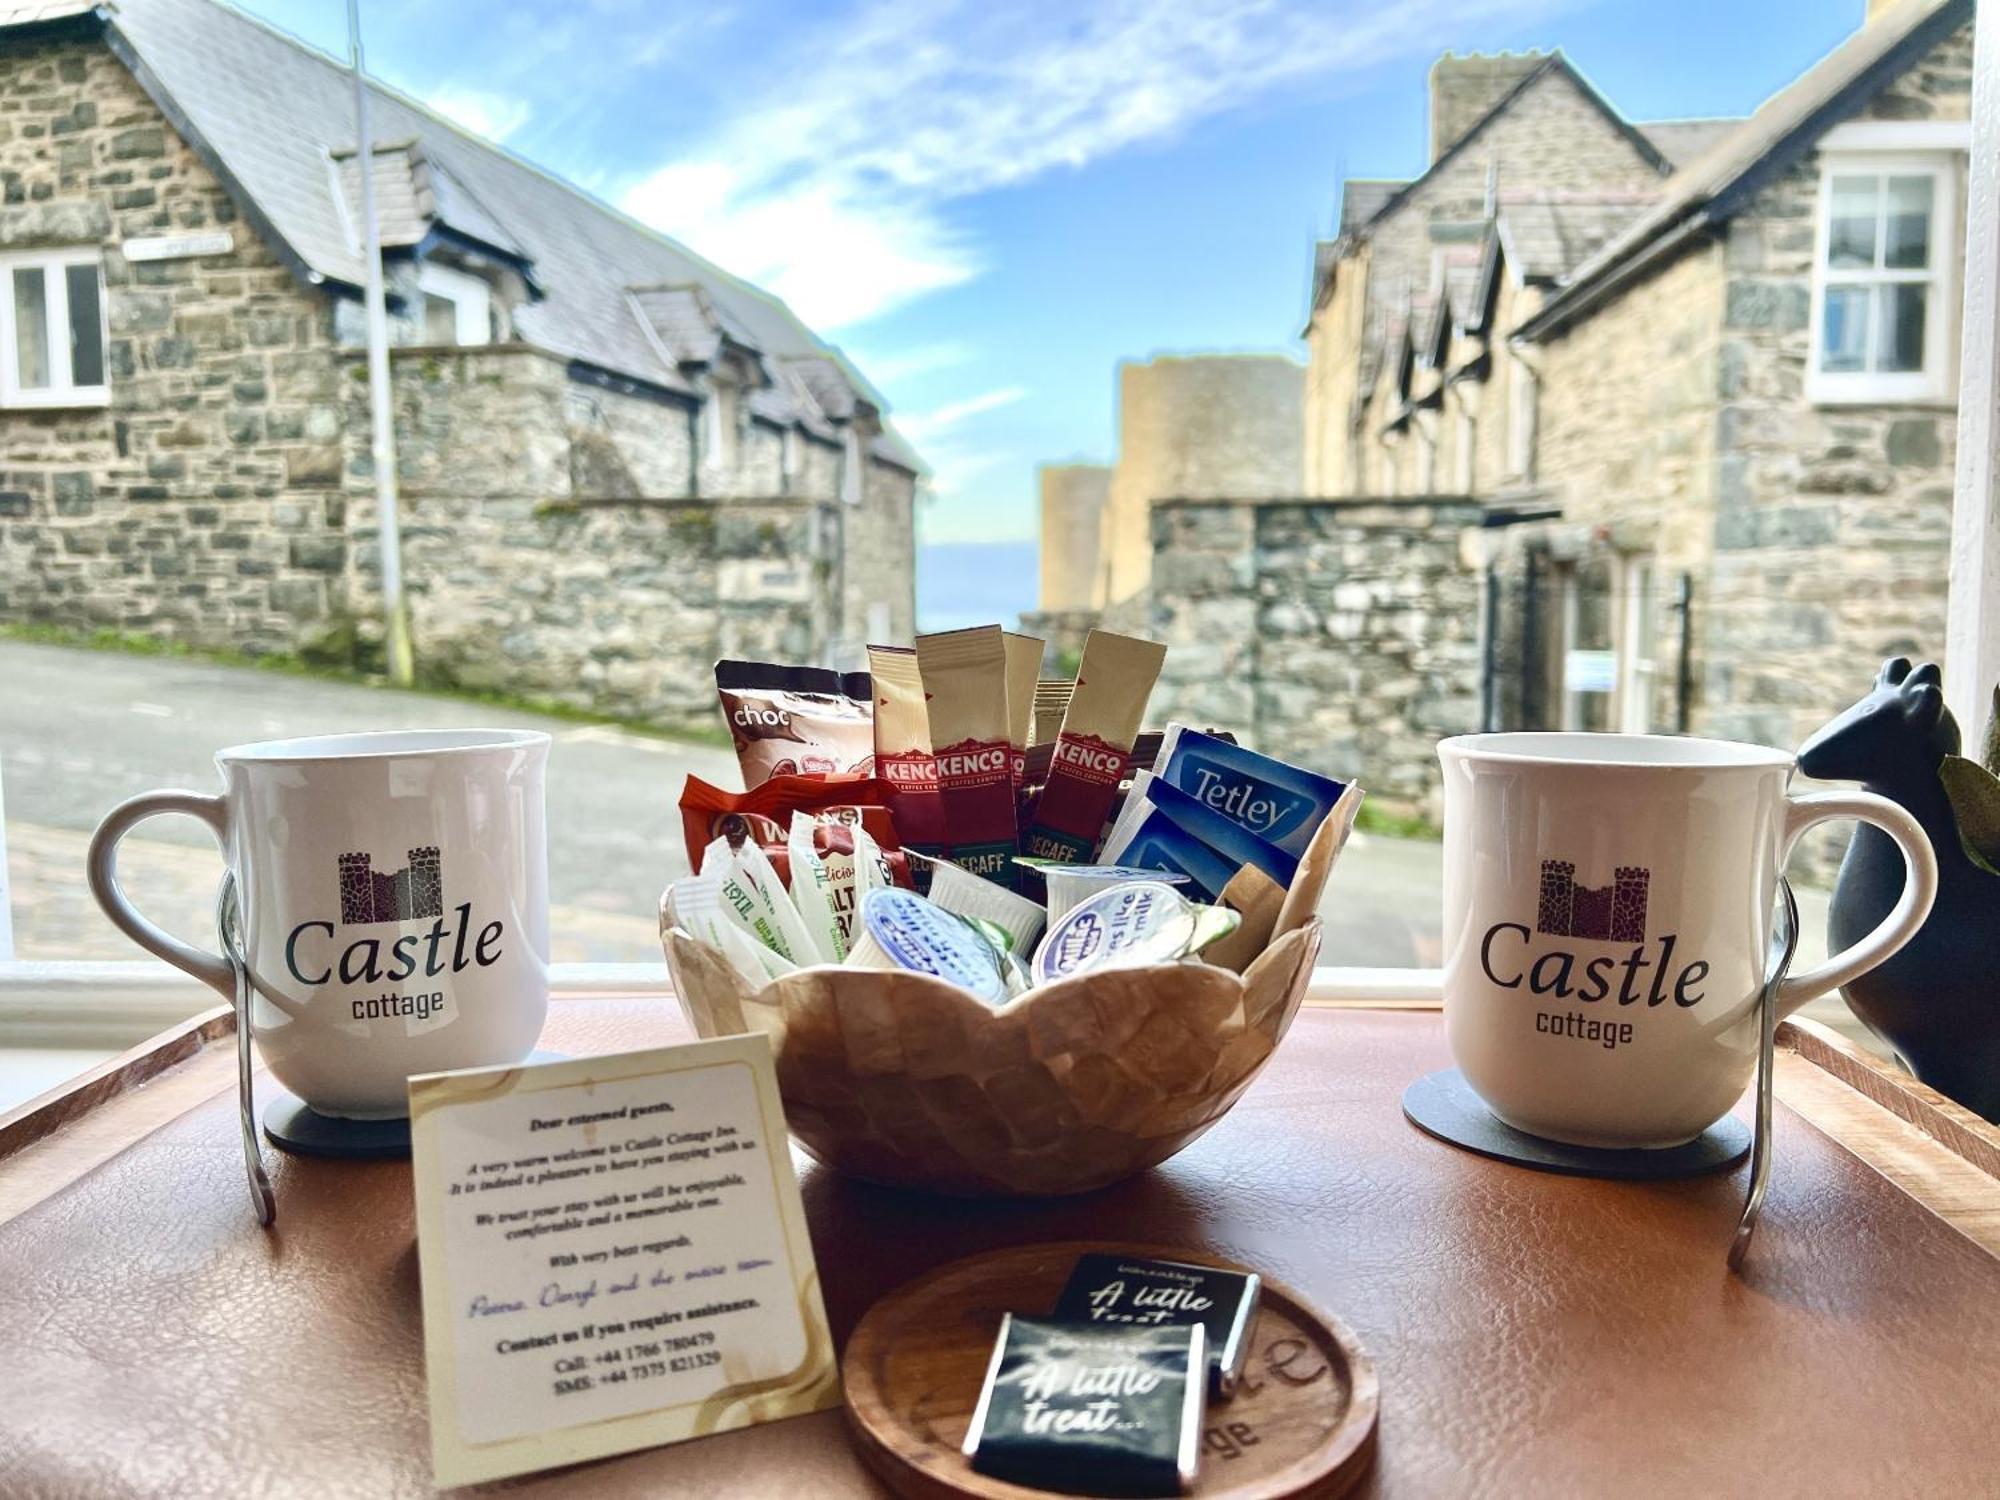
[[1784, 944], [229, 936]]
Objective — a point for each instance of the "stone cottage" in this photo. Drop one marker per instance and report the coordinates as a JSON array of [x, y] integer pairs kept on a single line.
[[1696, 379], [617, 461]]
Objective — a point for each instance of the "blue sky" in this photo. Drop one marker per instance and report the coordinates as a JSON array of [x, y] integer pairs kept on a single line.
[[988, 204]]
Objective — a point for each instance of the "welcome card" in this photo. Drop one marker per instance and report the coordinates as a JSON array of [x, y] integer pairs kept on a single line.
[[614, 1256]]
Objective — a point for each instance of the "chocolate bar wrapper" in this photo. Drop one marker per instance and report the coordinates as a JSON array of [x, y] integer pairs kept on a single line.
[[903, 760], [1092, 1410], [1121, 1290], [1024, 670], [1282, 804], [965, 674], [1113, 682], [795, 721]]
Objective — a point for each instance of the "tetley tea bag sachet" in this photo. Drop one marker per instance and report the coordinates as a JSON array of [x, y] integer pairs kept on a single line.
[[1113, 682], [965, 676]]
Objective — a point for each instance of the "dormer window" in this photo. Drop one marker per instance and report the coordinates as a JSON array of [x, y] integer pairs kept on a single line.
[[457, 306], [850, 468], [721, 435]]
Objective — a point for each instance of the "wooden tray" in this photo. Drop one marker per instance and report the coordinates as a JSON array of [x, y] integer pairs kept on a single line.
[[1302, 1422]]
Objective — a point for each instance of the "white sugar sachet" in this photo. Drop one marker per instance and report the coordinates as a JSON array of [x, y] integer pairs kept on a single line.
[[744, 867], [812, 891], [716, 910]]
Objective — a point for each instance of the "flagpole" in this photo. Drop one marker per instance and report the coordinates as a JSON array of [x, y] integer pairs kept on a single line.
[[395, 614]]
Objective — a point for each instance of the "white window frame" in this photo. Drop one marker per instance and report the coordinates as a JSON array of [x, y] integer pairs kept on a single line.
[[720, 432], [59, 392], [1900, 149], [471, 302], [788, 457], [1633, 582]]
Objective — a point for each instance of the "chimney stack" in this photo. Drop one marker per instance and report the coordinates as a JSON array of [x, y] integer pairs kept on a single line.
[[1463, 89]]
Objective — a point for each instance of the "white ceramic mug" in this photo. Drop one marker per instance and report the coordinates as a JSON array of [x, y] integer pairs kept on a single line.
[[1608, 904], [394, 892]]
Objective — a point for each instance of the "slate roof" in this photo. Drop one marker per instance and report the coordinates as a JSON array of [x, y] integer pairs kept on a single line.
[[1545, 239], [1737, 163], [1681, 141], [268, 112], [1361, 198]]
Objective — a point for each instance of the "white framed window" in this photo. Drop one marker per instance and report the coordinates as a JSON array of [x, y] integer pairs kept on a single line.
[[457, 306], [850, 468], [788, 457], [52, 329], [1522, 398], [1885, 271]]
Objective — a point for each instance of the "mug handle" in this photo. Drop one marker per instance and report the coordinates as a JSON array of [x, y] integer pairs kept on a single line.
[[1894, 930], [210, 968]]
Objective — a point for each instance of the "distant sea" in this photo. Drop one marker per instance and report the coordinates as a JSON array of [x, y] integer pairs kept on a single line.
[[975, 583]]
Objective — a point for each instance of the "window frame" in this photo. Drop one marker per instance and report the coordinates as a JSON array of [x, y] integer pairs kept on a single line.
[[1523, 403], [1859, 151], [60, 392], [471, 299], [850, 466]]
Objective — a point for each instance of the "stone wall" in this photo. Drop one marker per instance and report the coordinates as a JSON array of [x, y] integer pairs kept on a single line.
[[1073, 498], [1341, 634], [1196, 426], [194, 506], [1832, 523], [224, 499]]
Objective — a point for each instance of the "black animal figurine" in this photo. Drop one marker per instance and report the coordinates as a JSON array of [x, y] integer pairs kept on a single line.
[[1937, 1002]]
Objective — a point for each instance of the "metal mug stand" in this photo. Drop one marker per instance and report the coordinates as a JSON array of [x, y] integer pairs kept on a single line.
[[229, 934], [1784, 945]]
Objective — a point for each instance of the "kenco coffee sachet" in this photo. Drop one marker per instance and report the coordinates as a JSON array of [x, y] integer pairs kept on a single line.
[[965, 676], [1113, 682], [791, 721], [903, 760]]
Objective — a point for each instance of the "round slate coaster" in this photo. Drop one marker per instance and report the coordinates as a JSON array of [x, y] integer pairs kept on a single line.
[[292, 1125], [1444, 1105]]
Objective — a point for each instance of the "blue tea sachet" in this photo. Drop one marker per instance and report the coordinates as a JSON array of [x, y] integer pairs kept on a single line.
[[1281, 804], [1164, 827]]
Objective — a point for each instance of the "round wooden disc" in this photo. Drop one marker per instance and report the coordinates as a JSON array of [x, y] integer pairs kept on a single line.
[[1302, 1421]]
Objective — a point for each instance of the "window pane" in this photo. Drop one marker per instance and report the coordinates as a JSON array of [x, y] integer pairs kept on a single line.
[[1906, 231], [1901, 346], [440, 319], [1850, 241], [1844, 329], [86, 327], [31, 327]]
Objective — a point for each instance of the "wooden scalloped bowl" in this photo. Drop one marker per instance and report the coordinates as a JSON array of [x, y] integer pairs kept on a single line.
[[907, 1080]]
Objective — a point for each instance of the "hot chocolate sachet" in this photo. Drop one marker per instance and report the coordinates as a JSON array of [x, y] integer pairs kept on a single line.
[[965, 675], [1113, 682], [791, 721], [903, 760]]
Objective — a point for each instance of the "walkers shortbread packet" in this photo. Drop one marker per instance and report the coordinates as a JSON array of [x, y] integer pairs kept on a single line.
[[965, 676], [1113, 682]]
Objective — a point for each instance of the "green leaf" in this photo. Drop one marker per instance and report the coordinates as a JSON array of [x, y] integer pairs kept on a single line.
[[1974, 793]]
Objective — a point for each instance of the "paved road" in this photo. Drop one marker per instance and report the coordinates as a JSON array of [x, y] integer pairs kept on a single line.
[[79, 730]]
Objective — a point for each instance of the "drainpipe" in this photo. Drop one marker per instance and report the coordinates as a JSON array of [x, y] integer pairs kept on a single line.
[[395, 612]]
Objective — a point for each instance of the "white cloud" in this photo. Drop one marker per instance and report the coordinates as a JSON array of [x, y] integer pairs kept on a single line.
[[495, 116], [833, 184], [923, 425]]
